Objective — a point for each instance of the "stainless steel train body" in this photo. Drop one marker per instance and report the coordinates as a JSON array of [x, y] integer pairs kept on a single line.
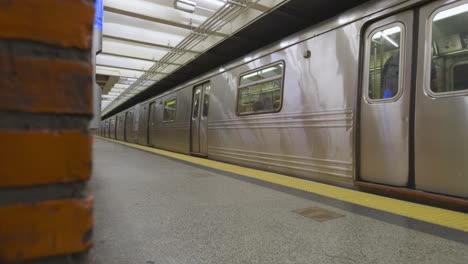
[[377, 94]]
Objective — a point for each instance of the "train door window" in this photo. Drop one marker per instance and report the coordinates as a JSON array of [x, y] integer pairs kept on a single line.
[[206, 100], [261, 91], [121, 126], [196, 104], [128, 123], [449, 58], [152, 110], [170, 108], [385, 63]]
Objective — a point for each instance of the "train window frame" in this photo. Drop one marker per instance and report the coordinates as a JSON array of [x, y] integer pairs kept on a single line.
[[401, 72], [164, 112], [239, 86], [428, 43]]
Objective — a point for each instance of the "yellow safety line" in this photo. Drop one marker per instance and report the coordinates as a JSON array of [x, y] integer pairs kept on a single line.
[[438, 216]]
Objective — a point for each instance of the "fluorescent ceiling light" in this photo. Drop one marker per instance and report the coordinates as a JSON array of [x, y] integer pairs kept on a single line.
[[117, 90], [390, 40], [185, 5], [250, 75], [109, 96], [217, 2], [386, 32], [451, 12], [269, 69], [206, 9], [259, 72]]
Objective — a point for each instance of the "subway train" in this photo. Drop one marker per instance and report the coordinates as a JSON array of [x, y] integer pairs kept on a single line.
[[378, 94]]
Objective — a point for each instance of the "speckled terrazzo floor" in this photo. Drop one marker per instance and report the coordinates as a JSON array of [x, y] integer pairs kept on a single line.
[[150, 209]]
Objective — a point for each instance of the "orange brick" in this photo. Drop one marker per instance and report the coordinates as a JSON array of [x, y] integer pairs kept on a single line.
[[51, 228], [43, 157], [45, 85], [67, 23]]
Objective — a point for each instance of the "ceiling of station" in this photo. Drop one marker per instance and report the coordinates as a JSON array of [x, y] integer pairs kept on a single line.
[[144, 41], [264, 28]]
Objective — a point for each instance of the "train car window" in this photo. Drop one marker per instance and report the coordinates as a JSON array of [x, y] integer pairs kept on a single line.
[[384, 64], [261, 91], [449, 60], [170, 108], [206, 101]]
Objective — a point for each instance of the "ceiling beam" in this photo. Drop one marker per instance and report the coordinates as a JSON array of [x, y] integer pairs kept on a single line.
[[126, 68], [137, 58], [110, 83], [104, 70], [267, 6], [156, 19], [144, 43], [119, 67], [261, 8]]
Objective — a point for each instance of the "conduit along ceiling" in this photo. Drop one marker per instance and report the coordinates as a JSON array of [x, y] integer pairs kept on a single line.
[[146, 40]]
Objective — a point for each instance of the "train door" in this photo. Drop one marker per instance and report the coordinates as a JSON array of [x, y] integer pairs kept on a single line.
[[151, 122], [199, 126], [385, 102], [441, 113]]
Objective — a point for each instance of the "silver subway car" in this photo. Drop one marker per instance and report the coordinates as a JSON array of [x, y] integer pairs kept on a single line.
[[378, 94]]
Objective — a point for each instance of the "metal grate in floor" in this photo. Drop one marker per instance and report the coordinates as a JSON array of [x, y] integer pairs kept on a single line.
[[318, 214], [201, 175]]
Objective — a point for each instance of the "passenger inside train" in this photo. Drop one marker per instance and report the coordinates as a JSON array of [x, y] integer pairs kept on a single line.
[[385, 63], [390, 76]]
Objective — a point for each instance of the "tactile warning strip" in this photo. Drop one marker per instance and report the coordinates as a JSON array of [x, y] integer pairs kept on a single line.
[[434, 215]]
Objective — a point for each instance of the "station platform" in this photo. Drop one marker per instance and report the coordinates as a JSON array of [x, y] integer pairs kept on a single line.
[[154, 206]]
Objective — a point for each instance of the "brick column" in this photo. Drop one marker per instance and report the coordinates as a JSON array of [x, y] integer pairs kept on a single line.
[[45, 148]]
